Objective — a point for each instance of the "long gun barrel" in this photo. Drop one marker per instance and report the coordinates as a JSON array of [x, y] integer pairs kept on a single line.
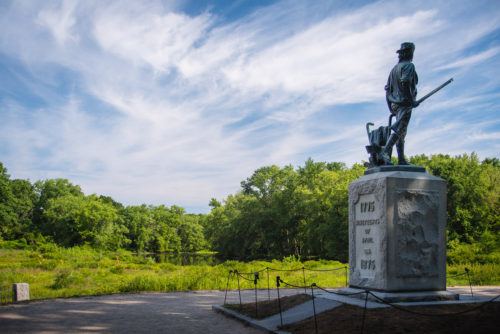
[[434, 91]]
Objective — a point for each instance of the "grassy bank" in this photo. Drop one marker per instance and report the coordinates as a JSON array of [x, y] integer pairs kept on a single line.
[[59, 272]]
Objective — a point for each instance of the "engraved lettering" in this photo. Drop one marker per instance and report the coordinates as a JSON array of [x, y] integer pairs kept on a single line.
[[367, 206], [367, 222], [368, 264], [363, 206]]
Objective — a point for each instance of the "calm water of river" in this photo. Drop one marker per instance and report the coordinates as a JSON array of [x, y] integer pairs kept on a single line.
[[189, 259], [186, 259]]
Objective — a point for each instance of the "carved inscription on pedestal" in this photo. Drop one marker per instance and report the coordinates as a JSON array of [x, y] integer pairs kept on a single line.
[[367, 223]]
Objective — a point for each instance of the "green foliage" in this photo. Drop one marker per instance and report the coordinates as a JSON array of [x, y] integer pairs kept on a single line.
[[14, 244], [282, 211], [479, 274], [160, 229], [8, 219], [56, 210], [62, 272], [483, 252], [63, 280], [76, 220], [278, 212], [473, 194], [191, 234], [304, 212], [49, 190]]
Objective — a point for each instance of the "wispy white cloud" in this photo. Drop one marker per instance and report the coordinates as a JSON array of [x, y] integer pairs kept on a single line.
[[60, 21], [146, 103], [472, 60], [334, 61], [138, 34]]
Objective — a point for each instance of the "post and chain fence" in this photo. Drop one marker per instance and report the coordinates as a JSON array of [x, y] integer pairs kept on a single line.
[[251, 277], [468, 278], [313, 286], [383, 301], [6, 294]]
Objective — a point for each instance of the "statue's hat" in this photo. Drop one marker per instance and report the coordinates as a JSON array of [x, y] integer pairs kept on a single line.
[[406, 46]]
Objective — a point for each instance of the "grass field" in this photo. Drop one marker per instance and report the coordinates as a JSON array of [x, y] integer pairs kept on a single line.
[[53, 272]]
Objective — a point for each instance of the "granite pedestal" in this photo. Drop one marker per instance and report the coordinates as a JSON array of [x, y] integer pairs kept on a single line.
[[397, 232]]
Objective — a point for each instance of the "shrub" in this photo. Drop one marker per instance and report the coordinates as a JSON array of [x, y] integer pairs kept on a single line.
[[63, 280]]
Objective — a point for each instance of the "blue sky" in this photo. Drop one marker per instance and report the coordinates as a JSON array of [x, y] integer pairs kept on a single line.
[[176, 102]]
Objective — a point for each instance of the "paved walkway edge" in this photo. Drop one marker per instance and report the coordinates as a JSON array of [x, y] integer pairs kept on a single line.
[[245, 319]]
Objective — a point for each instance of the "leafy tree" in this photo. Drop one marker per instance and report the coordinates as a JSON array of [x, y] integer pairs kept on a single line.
[[138, 221], [278, 212], [220, 230], [282, 211], [111, 201], [324, 201], [191, 234], [23, 202], [216, 225], [266, 213], [8, 217], [166, 223], [47, 190], [159, 229], [77, 220], [472, 193]]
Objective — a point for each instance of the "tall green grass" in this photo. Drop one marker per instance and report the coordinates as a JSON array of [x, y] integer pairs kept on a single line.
[[52, 272]]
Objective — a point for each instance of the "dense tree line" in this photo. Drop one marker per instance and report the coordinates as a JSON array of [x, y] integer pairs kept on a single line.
[[304, 211], [57, 211], [277, 212], [283, 211]]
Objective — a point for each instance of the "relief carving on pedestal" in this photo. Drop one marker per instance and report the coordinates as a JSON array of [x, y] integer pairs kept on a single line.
[[416, 228]]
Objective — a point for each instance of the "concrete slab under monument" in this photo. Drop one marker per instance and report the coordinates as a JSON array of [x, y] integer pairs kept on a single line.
[[397, 297], [397, 233]]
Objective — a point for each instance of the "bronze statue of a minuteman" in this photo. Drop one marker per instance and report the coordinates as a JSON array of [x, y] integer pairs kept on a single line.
[[401, 93]]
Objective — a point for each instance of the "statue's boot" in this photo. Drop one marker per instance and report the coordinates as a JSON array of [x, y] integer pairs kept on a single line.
[[400, 146], [385, 156]]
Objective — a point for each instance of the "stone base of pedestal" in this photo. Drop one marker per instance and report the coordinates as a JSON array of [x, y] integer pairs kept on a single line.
[[397, 231], [396, 297]]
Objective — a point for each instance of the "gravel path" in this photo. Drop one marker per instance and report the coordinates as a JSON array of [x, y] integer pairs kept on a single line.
[[175, 312]]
